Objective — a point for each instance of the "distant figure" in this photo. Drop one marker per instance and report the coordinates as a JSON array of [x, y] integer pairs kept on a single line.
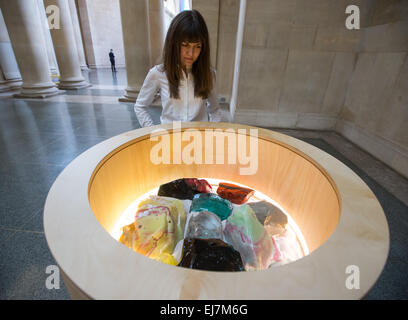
[[112, 60]]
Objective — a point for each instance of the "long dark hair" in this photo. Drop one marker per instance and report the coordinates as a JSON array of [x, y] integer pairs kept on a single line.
[[188, 26]]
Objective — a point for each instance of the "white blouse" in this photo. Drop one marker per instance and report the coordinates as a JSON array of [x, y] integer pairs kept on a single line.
[[187, 108]]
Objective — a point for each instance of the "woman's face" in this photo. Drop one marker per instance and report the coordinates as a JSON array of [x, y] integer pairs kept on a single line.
[[189, 53]]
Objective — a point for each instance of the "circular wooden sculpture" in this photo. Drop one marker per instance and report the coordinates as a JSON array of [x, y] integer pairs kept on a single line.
[[341, 220]]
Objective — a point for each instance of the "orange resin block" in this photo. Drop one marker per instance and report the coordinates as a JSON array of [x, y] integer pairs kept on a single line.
[[234, 193]]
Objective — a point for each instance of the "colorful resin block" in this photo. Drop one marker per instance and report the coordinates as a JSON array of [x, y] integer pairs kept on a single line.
[[245, 233], [269, 214], [176, 208], [199, 185], [274, 225], [289, 246], [184, 188], [213, 203], [234, 193], [273, 218], [210, 254], [152, 234], [203, 225]]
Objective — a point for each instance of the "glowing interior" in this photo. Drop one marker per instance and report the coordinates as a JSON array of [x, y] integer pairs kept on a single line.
[[285, 177], [128, 215]]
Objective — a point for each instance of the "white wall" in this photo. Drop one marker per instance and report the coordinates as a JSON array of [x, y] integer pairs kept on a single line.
[[102, 30]]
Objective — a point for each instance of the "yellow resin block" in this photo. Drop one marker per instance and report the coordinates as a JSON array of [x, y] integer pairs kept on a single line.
[[151, 235], [159, 225], [176, 208]]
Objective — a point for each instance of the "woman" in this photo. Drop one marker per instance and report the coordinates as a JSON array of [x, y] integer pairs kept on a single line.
[[185, 79]]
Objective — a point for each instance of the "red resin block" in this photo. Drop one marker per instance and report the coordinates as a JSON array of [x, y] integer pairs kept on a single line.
[[201, 185], [234, 193]]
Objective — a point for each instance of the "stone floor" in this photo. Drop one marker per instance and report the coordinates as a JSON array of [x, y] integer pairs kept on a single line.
[[38, 138]]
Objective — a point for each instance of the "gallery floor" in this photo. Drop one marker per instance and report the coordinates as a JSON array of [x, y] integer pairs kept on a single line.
[[39, 138]]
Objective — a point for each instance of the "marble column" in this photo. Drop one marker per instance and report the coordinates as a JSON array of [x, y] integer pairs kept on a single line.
[[136, 43], [156, 21], [8, 64], [23, 24], [238, 51], [66, 49], [52, 60], [86, 32], [77, 34]]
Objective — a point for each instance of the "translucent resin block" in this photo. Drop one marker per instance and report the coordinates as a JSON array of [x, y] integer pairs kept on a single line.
[[204, 225], [289, 246], [248, 236], [273, 218]]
